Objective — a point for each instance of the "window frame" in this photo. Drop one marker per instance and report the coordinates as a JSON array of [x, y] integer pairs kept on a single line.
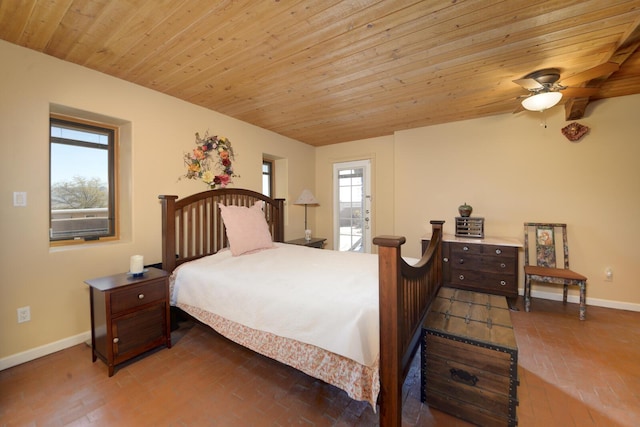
[[271, 166], [112, 155]]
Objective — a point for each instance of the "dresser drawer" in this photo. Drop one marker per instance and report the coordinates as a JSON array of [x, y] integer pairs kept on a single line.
[[136, 296], [484, 281], [459, 249], [464, 248], [484, 263]]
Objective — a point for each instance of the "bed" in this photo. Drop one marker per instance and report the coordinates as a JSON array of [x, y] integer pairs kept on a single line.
[[393, 303]]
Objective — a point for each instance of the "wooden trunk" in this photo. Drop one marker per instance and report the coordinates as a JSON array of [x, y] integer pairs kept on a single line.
[[470, 358]]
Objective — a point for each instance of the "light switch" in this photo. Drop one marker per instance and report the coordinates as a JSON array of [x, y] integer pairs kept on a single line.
[[19, 198]]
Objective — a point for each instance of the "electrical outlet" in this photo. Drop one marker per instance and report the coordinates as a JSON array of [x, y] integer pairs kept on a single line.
[[608, 274], [24, 314]]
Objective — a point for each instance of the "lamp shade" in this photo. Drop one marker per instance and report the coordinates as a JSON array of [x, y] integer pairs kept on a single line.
[[306, 198], [541, 101]]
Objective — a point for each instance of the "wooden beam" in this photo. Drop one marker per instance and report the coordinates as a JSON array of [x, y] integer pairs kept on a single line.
[[575, 107]]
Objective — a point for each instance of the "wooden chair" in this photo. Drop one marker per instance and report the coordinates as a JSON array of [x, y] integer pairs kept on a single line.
[[546, 260]]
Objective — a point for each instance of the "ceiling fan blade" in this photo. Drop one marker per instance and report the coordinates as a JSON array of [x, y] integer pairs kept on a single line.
[[528, 83], [579, 92], [519, 109], [504, 101], [591, 73]]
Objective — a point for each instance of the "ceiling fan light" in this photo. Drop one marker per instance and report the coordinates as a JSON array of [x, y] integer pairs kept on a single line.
[[541, 101]]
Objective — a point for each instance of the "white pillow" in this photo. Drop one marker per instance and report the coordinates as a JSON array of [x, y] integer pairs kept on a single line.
[[247, 229]]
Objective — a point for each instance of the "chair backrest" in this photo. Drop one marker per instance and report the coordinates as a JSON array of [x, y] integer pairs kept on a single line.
[[545, 245]]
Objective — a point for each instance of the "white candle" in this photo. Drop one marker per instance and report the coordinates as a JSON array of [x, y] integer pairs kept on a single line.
[[136, 264]]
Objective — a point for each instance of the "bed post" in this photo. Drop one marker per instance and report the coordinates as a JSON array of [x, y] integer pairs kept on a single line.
[[390, 343], [397, 340], [279, 229], [168, 232]]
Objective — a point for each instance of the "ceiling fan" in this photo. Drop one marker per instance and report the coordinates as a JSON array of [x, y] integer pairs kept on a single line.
[[546, 90]]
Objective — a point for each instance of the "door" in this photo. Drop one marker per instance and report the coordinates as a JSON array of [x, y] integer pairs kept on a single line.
[[352, 206]]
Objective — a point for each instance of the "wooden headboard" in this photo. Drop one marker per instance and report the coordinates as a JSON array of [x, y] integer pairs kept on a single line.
[[192, 227]]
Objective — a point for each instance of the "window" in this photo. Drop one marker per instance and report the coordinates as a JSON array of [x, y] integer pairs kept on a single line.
[[82, 180], [267, 178]]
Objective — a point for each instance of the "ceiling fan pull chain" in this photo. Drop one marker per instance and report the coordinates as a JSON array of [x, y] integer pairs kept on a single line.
[[543, 122]]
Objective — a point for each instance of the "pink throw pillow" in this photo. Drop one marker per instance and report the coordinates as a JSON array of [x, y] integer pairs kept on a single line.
[[247, 229]]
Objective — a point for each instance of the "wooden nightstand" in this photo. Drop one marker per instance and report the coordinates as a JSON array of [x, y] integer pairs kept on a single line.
[[129, 315], [315, 242]]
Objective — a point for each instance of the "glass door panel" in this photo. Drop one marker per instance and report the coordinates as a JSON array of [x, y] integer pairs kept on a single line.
[[352, 208]]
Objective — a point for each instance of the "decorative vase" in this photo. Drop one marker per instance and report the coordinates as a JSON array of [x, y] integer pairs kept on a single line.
[[465, 210]]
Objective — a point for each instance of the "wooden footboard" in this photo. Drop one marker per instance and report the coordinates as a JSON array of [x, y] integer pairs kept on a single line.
[[405, 294]]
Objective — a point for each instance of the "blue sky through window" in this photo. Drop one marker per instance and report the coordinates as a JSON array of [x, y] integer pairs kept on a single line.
[[69, 161]]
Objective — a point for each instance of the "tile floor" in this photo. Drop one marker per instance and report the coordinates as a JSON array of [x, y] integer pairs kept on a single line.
[[572, 373]]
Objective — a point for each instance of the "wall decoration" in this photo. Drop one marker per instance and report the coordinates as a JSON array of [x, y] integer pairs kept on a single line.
[[574, 131], [211, 161]]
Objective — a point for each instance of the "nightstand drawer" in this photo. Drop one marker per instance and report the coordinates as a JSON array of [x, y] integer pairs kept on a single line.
[[138, 332], [136, 296]]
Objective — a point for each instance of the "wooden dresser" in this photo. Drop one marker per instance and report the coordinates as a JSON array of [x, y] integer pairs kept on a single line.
[[470, 357], [129, 315], [484, 265]]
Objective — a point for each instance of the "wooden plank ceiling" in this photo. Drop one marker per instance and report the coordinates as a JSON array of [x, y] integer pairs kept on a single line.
[[328, 71]]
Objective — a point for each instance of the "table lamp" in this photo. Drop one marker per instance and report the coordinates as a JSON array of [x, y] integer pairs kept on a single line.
[[306, 198]]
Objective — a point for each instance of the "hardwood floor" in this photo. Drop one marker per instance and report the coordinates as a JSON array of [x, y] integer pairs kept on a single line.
[[572, 373]]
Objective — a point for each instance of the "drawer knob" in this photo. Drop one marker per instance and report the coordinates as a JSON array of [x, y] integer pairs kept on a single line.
[[461, 261], [445, 259], [116, 340], [503, 283], [503, 265], [141, 296], [461, 277], [498, 251], [465, 248]]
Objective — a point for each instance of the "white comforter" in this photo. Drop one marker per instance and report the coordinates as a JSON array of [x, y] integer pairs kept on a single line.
[[320, 297]]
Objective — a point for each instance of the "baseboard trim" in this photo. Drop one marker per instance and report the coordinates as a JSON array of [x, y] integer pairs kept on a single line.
[[555, 296], [35, 353]]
